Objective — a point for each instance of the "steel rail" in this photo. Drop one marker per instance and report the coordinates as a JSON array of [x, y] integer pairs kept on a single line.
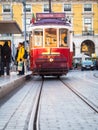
[[82, 97], [33, 122]]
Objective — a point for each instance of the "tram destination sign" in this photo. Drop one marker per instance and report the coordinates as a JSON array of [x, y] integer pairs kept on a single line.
[[50, 15]]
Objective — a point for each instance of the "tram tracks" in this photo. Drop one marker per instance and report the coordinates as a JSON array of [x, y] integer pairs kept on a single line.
[[33, 117], [64, 107], [93, 106], [35, 112], [22, 108], [78, 94]]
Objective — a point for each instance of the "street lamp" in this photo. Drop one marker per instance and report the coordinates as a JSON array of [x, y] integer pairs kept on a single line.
[[13, 45], [24, 17], [24, 8]]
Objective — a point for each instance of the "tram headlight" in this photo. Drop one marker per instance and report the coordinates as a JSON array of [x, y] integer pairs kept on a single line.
[[51, 59]]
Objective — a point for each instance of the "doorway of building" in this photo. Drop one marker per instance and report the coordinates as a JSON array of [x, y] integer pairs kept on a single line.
[[88, 47]]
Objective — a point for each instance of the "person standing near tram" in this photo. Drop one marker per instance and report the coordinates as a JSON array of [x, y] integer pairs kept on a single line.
[[5, 58], [20, 58], [0, 58]]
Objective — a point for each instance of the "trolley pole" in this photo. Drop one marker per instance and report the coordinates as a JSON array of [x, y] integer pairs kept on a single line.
[[24, 7], [50, 6]]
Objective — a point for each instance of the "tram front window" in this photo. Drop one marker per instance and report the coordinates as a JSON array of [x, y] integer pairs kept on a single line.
[[50, 37], [38, 38], [63, 37]]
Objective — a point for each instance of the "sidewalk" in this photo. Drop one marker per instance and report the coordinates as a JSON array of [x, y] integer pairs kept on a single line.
[[8, 83]]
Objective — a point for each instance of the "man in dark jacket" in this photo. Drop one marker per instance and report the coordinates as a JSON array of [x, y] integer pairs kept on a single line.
[[6, 58]]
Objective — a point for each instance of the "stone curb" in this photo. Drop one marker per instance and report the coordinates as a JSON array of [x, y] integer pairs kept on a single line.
[[7, 88]]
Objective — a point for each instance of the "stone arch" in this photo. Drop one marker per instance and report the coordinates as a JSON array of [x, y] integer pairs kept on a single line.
[[88, 47]]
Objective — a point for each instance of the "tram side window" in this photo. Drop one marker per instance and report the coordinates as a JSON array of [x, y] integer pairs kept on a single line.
[[38, 39], [63, 38]]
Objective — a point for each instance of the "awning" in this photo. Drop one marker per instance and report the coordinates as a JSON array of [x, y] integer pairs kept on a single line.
[[9, 27]]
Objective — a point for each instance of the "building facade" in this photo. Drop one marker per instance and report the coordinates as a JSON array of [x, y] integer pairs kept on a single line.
[[83, 16]]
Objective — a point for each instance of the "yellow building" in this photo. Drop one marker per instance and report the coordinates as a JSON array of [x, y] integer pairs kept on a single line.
[[83, 16]]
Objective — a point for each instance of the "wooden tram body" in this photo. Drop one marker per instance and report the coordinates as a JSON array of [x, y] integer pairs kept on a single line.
[[50, 45]]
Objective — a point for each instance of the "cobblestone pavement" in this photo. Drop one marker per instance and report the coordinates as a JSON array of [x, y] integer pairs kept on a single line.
[[62, 110], [15, 113], [85, 83]]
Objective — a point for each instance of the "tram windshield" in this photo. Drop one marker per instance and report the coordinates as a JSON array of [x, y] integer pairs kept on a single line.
[[50, 37]]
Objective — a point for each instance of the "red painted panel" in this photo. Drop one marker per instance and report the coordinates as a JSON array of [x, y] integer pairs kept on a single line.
[[35, 54]]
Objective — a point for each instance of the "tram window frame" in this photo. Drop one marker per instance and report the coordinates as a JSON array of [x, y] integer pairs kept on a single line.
[[38, 38], [63, 39], [50, 38]]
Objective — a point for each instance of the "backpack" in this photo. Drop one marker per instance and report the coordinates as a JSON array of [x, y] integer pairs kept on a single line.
[[25, 54]]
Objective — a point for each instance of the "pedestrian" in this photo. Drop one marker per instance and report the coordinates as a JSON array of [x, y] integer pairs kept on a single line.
[[20, 58], [0, 58], [16, 63], [25, 60], [6, 58]]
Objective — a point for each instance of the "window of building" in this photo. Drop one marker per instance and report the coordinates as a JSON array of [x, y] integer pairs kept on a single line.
[[87, 24], [28, 8], [87, 7], [6, 8], [67, 7], [46, 7]]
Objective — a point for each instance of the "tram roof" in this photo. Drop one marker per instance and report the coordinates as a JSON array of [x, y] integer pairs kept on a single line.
[[9, 27], [51, 21]]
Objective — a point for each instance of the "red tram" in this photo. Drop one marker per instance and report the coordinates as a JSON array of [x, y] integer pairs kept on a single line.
[[50, 45]]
